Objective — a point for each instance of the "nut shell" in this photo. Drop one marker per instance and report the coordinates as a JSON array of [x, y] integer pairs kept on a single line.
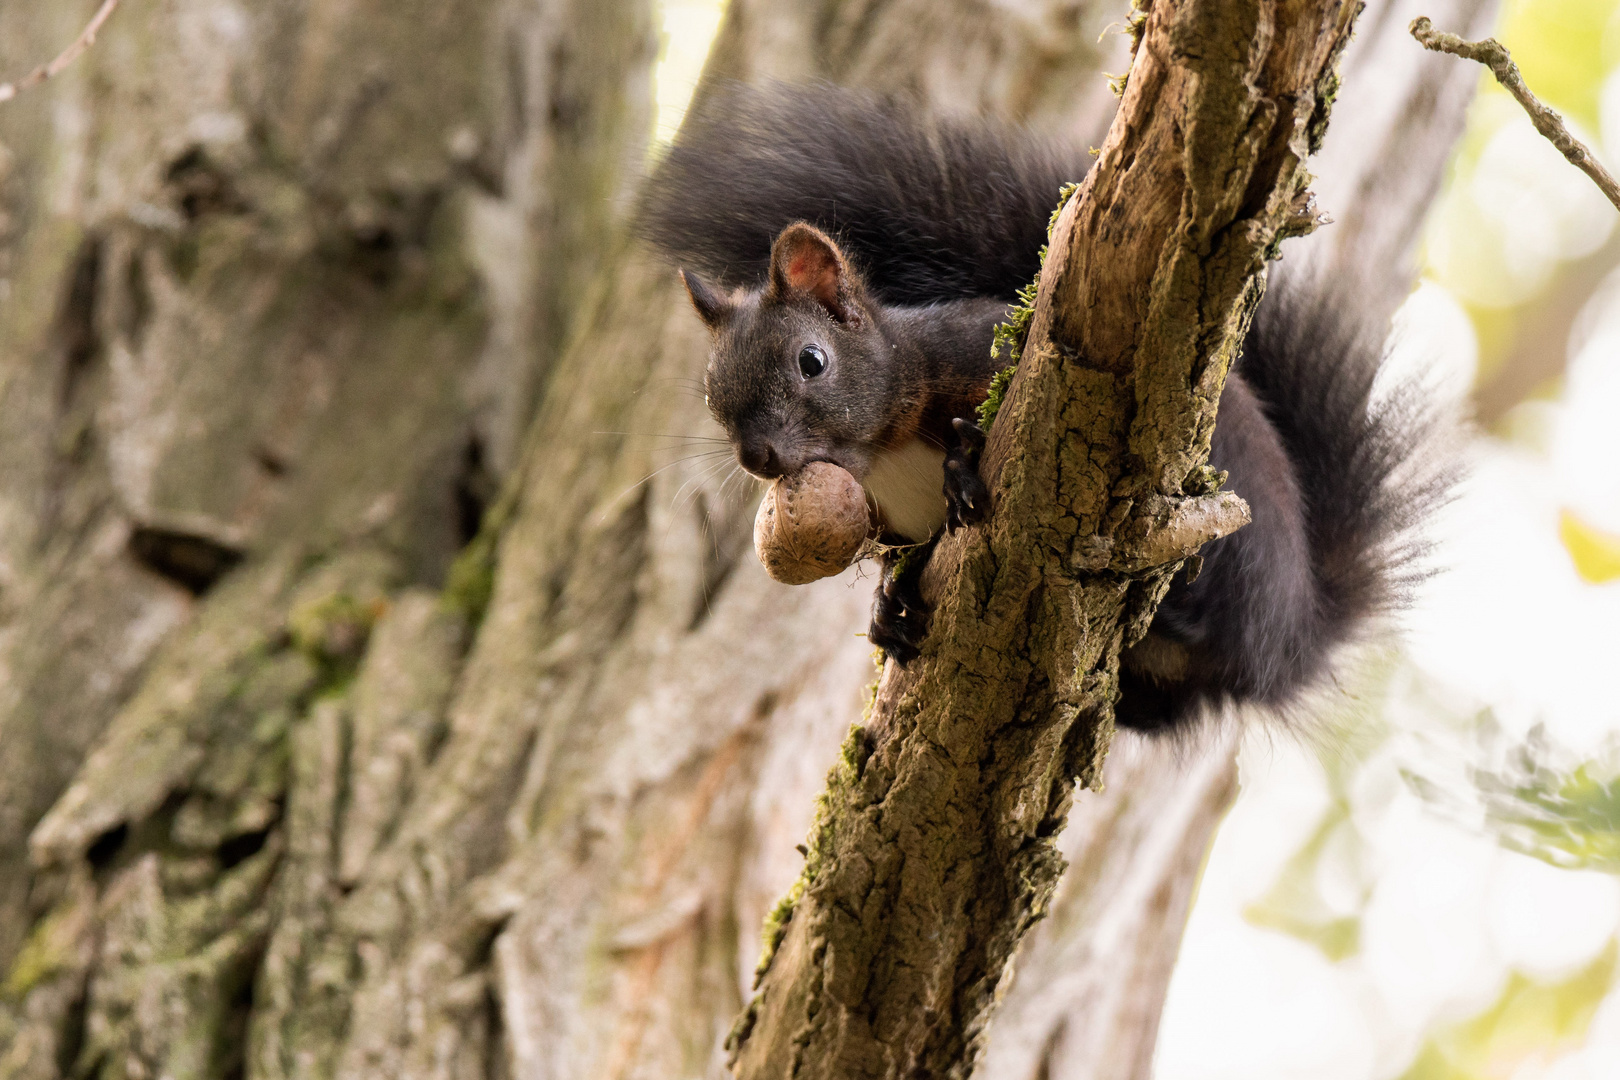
[[811, 524]]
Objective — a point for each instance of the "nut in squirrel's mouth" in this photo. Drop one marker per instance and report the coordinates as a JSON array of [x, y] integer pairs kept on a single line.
[[858, 468]]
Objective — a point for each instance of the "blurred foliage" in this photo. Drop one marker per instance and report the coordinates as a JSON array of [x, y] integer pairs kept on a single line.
[[1596, 553], [1569, 817], [1296, 905], [1559, 46], [1515, 222], [1538, 799], [1299, 903], [1531, 1021]]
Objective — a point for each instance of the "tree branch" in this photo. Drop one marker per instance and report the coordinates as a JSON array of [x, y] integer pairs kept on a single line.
[[1493, 55], [67, 56], [933, 850]]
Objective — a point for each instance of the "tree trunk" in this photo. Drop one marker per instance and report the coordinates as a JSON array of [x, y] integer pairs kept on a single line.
[[280, 285], [281, 289]]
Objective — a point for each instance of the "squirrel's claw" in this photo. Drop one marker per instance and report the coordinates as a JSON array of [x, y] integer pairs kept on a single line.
[[967, 500], [899, 616], [969, 432]]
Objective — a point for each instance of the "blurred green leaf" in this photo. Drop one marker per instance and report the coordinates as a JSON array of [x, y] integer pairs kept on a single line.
[[1567, 817], [1295, 905], [1531, 1020], [1558, 45], [1596, 553]]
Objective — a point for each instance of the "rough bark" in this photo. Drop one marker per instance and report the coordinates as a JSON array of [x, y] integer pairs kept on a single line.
[[333, 816], [274, 299]]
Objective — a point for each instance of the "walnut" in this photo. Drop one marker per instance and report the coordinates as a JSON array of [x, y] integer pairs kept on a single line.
[[811, 524]]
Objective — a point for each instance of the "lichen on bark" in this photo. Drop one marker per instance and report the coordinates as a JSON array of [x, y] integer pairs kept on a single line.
[[278, 289]]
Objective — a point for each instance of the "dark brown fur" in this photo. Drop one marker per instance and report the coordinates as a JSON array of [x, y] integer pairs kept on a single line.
[[894, 242]]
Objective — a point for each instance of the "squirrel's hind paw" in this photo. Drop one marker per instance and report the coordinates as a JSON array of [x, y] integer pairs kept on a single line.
[[899, 617]]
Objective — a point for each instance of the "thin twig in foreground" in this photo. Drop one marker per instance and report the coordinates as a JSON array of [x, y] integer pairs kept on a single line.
[[68, 55], [1491, 53]]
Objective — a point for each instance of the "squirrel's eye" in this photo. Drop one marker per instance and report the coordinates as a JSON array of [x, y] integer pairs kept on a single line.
[[812, 361]]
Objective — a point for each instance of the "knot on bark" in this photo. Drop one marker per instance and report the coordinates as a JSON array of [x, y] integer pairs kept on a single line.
[[1167, 530]]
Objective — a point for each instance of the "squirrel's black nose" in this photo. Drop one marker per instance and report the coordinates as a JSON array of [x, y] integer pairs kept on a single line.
[[759, 457]]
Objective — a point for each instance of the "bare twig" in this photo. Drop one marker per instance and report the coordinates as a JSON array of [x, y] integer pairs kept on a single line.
[[67, 56], [1493, 55]]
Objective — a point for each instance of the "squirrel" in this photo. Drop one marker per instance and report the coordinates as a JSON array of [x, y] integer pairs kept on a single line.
[[852, 258]]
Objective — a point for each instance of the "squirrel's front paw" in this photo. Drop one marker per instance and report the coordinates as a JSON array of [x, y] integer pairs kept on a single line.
[[899, 618], [967, 500]]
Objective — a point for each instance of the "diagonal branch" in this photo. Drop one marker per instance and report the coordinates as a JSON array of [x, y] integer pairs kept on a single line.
[[85, 39], [1495, 56], [933, 853]]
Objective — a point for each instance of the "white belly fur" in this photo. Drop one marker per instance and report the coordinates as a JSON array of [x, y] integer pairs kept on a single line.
[[908, 486]]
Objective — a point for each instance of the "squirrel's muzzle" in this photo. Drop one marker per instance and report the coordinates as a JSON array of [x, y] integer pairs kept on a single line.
[[761, 457]]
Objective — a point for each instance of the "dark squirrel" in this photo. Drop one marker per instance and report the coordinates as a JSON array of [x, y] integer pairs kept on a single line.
[[853, 258]]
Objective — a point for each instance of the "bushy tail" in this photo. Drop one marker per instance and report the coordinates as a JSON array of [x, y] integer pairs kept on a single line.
[[1332, 544], [929, 209], [933, 210], [1370, 459]]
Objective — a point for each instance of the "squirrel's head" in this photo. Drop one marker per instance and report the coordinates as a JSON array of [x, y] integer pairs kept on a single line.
[[801, 370]]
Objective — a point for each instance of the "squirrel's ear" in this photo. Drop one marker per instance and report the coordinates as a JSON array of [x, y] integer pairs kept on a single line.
[[715, 309], [804, 259]]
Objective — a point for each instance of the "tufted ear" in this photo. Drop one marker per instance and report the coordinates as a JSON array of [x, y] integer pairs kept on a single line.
[[806, 260], [714, 308]]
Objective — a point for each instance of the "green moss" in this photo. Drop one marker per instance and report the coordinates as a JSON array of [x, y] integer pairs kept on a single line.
[[471, 581], [470, 585], [878, 659], [992, 400], [1135, 27], [776, 927], [1327, 91], [46, 952], [1013, 332], [902, 564], [853, 752], [332, 628], [332, 631], [1136, 24], [1065, 193], [741, 1028], [1203, 480], [845, 775]]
